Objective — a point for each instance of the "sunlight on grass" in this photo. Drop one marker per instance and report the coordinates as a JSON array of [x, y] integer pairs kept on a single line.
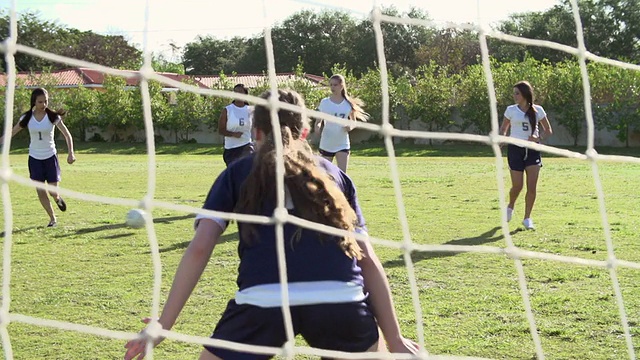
[[93, 270]]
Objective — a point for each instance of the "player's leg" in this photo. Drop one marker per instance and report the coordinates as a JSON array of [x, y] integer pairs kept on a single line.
[[52, 174], [327, 154], [46, 204], [37, 172], [515, 157], [349, 327], [206, 355], [342, 159], [247, 324], [532, 172], [517, 182]]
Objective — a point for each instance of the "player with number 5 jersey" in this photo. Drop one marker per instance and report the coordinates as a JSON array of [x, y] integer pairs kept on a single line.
[[526, 121], [235, 126]]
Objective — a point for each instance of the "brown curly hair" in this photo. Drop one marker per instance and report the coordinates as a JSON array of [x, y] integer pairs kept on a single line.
[[315, 195]]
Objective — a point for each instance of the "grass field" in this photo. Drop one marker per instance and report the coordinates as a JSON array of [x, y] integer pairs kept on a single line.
[[93, 270]]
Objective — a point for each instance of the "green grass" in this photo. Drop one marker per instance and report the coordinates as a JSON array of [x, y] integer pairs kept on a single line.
[[93, 270]]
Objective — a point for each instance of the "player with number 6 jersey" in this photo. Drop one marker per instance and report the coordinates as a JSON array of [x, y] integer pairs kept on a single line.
[[235, 126], [524, 120]]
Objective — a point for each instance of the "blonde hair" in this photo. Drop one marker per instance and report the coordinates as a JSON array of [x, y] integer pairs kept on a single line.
[[357, 112], [315, 195]]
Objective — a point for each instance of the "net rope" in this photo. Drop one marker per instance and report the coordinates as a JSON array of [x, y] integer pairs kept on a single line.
[[10, 46]]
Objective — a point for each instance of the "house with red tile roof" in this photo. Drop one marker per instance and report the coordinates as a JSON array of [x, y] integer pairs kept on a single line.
[[90, 78]]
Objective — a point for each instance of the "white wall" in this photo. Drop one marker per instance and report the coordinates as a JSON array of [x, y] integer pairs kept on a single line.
[[561, 136]]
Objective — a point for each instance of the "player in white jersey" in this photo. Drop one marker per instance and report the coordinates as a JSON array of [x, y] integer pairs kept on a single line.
[[334, 138], [43, 160], [235, 125], [524, 119]]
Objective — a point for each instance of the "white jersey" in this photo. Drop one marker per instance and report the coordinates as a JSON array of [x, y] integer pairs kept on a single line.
[[42, 145], [335, 137], [238, 120], [520, 125]]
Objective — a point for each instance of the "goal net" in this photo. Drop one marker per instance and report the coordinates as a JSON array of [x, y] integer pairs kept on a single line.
[[386, 130]]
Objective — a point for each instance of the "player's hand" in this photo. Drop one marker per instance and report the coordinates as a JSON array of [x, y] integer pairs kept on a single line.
[[404, 346], [138, 347], [535, 139], [71, 158], [237, 134]]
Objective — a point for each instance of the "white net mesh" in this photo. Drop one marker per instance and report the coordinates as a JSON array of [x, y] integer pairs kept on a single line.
[[11, 46]]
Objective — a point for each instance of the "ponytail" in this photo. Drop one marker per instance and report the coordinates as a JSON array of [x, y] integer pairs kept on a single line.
[[315, 196]]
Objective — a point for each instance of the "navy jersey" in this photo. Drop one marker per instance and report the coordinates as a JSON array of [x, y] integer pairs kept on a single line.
[[309, 259]]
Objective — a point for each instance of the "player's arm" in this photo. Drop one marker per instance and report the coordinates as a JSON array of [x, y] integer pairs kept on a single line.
[[191, 266], [222, 126], [187, 275], [351, 117], [68, 138], [504, 128], [16, 129], [377, 285], [546, 128]]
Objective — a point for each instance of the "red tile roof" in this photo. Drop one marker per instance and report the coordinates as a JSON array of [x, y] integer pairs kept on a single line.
[[252, 80], [89, 77]]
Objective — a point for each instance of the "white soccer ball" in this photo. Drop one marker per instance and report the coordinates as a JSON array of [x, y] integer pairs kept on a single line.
[[135, 218]]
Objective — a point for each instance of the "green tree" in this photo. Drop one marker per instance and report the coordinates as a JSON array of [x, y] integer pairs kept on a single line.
[[615, 93], [49, 36], [566, 97], [610, 29], [187, 114], [207, 55], [430, 100], [472, 101], [116, 104], [82, 110]]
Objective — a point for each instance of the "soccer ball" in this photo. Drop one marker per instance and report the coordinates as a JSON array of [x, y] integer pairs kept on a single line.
[[135, 218]]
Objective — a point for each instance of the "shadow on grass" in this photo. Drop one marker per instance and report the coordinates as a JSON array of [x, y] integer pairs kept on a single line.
[[157, 220], [490, 236], [2, 234], [370, 148], [183, 245]]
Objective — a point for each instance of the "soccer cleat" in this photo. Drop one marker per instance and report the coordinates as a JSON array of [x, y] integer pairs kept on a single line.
[[528, 224], [52, 223], [509, 214], [61, 204]]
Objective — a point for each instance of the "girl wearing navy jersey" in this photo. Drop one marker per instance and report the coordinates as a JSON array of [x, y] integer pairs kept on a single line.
[[336, 284], [235, 125], [334, 139], [524, 119], [43, 160]]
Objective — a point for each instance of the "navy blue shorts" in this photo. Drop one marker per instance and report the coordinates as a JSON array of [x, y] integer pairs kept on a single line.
[[520, 158], [44, 170], [233, 154], [349, 327], [332, 154]]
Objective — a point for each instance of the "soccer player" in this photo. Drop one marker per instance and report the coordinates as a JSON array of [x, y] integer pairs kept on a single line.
[[524, 119], [329, 276], [235, 125], [43, 160], [334, 139]]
